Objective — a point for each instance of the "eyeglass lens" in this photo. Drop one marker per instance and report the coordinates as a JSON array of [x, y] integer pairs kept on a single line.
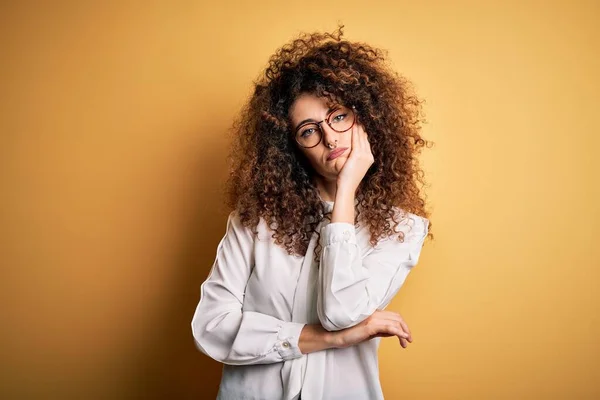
[[340, 120]]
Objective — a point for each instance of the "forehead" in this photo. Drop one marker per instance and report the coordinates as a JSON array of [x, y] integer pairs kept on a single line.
[[308, 105]]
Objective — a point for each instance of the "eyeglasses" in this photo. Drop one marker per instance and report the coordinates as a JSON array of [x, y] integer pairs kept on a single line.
[[340, 119]]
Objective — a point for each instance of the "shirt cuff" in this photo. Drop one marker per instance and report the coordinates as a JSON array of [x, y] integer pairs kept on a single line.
[[288, 338], [337, 232]]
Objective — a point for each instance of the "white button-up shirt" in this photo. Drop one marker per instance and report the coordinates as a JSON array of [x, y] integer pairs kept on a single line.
[[257, 298]]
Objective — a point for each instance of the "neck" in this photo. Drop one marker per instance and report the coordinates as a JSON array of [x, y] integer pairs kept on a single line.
[[327, 188]]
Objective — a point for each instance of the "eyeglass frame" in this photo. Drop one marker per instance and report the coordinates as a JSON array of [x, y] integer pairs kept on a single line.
[[321, 129]]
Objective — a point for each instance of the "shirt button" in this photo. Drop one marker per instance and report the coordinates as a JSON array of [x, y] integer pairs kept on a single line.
[[286, 344]]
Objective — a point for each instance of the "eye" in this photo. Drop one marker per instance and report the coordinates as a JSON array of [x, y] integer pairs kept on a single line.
[[307, 132], [339, 117]]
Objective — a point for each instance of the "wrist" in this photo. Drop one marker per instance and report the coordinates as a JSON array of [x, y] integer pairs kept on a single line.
[[345, 195], [345, 188], [344, 207], [333, 339], [314, 337]]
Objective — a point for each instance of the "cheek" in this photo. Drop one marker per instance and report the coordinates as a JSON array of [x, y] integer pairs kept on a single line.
[[315, 161], [312, 157]]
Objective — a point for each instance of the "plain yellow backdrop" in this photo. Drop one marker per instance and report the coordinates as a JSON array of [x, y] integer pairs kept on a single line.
[[112, 157]]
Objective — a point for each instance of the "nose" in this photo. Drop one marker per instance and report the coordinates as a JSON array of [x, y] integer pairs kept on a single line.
[[329, 135]]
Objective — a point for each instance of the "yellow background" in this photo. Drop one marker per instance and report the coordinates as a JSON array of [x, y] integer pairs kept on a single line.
[[112, 156]]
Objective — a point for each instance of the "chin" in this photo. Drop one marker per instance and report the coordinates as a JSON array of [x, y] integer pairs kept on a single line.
[[331, 170], [339, 163], [329, 174]]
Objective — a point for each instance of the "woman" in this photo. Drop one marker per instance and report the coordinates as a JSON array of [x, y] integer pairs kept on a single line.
[[327, 222]]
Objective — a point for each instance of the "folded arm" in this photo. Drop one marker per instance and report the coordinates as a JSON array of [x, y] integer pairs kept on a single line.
[[220, 328], [352, 287]]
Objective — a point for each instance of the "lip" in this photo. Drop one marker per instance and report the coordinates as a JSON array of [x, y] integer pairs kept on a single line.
[[336, 153]]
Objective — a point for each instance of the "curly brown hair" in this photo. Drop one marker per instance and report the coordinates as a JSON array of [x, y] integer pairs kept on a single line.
[[270, 178]]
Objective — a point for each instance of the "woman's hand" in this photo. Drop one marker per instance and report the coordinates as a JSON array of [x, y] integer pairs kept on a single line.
[[379, 324], [359, 161]]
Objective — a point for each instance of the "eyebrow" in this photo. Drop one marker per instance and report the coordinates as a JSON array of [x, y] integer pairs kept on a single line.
[[314, 120]]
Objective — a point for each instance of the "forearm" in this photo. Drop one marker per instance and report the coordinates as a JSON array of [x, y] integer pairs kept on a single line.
[[341, 272], [343, 208], [352, 286], [316, 338], [242, 338]]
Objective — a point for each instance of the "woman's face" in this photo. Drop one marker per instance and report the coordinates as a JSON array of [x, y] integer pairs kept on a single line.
[[308, 107]]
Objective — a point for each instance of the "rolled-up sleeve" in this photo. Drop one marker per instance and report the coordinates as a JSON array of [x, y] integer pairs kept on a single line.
[[220, 328], [353, 287]]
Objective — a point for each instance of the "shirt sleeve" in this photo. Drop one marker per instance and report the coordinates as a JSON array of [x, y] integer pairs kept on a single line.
[[351, 287], [221, 329]]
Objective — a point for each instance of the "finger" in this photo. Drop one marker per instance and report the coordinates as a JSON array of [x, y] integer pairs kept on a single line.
[[397, 318], [367, 142], [405, 328], [365, 146], [360, 147], [363, 134], [368, 148], [403, 343], [381, 334], [395, 328], [362, 137], [391, 328], [391, 315], [402, 336], [355, 139]]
